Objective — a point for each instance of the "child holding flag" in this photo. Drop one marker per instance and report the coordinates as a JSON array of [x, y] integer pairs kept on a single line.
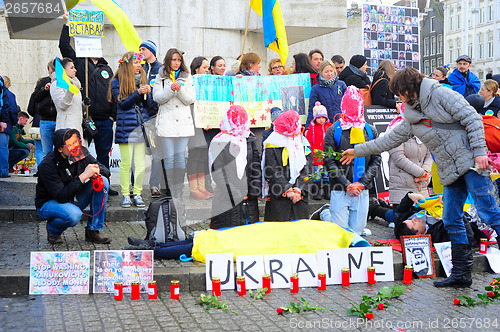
[[65, 93]]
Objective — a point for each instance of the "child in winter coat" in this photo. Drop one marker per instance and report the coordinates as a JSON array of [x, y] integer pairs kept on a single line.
[[350, 183], [316, 137], [286, 161]]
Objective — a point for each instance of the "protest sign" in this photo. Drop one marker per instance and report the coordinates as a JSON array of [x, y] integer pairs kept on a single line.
[[58, 272], [87, 27], [257, 94], [380, 117], [122, 265], [417, 252]]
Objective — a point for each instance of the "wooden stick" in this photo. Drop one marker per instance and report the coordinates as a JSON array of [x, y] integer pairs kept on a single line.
[[87, 85], [246, 30]]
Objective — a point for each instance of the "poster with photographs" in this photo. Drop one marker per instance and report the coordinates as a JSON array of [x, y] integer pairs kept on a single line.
[[417, 252], [390, 33]]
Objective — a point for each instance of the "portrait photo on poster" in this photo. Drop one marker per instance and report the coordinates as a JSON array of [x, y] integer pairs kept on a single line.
[[292, 98], [417, 252], [443, 250]]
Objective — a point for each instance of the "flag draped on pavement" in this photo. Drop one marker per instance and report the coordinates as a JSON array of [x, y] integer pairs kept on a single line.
[[273, 26]]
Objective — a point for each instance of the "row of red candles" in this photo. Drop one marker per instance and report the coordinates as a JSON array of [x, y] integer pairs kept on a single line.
[[241, 287]]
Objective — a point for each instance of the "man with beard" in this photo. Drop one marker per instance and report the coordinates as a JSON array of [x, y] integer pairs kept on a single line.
[[65, 175]]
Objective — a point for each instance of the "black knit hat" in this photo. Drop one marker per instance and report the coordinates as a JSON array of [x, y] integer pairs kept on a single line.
[[476, 101], [358, 60]]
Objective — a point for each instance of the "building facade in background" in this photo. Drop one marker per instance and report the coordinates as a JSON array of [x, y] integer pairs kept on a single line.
[[432, 36]]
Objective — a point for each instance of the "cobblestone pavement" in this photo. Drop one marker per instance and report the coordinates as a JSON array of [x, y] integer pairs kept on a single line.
[[421, 308]]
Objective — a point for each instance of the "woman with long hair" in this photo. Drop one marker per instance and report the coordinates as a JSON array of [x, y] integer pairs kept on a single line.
[[380, 92], [302, 64], [217, 65], [132, 96], [174, 92]]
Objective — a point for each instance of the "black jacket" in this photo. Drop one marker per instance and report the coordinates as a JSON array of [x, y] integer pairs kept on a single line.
[[224, 213], [380, 92], [59, 180], [340, 175], [44, 104], [99, 75], [350, 78]]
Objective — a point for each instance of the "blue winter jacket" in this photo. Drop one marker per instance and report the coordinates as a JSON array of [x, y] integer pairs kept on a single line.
[[330, 97], [128, 123], [461, 85], [8, 114]]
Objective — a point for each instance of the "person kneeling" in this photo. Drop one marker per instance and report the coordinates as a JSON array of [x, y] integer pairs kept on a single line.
[[64, 175]]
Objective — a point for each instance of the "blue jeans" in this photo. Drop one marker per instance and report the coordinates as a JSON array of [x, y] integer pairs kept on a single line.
[[16, 155], [347, 211], [175, 151], [323, 174], [4, 154], [103, 140], [61, 216], [38, 152], [454, 196], [47, 129]]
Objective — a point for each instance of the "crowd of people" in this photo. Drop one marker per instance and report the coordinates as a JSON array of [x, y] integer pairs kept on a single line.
[[289, 165]]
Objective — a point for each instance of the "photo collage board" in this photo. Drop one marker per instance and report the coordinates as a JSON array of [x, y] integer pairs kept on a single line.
[[391, 32]]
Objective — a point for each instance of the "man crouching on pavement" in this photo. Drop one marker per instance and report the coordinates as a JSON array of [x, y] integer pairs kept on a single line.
[[65, 174]]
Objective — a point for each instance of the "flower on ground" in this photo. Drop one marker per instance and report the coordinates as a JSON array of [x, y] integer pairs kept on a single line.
[[280, 311], [369, 315], [456, 301], [380, 306], [491, 294]]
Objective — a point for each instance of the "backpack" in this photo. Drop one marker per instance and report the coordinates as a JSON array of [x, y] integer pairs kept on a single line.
[[162, 222], [492, 132], [367, 92]]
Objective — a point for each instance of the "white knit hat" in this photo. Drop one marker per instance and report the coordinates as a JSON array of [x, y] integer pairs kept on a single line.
[[319, 111]]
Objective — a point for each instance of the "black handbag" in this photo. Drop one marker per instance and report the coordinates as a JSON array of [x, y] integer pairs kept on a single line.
[[148, 132], [89, 128]]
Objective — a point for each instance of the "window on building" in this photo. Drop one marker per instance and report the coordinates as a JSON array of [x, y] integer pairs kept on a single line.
[[490, 44], [451, 19], [440, 62], [433, 63], [481, 75], [439, 49], [481, 11], [433, 45], [458, 17], [433, 19], [480, 44], [450, 52], [427, 68], [426, 46], [458, 43], [491, 12]]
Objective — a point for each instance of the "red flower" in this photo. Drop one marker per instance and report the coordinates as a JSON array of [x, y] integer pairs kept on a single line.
[[280, 311], [369, 315], [491, 294], [380, 306], [456, 301]]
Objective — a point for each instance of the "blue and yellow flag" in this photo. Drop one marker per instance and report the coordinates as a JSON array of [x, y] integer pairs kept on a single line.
[[62, 78], [273, 25]]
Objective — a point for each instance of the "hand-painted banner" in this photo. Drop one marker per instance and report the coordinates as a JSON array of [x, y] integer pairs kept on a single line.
[[86, 23], [122, 265], [257, 94], [54, 272]]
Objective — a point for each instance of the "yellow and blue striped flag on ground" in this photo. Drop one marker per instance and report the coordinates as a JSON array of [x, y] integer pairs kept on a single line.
[[273, 25], [62, 78]]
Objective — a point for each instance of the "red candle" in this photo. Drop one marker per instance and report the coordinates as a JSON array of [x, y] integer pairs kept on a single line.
[[152, 290], [321, 281], [294, 283], [241, 286], [371, 275], [483, 246], [174, 289], [346, 276], [136, 291], [266, 282], [216, 287], [118, 291], [407, 275]]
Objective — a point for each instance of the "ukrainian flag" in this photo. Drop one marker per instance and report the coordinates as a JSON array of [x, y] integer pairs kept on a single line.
[[62, 78], [273, 25]]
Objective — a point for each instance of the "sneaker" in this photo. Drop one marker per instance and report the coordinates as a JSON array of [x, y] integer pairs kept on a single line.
[[316, 214], [391, 225], [366, 232], [126, 202], [138, 201], [155, 192], [52, 239]]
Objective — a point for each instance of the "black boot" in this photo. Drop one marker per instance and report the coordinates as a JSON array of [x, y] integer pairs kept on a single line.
[[179, 223], [316, 190], [375, 210], [325, 186], [461, 272]]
